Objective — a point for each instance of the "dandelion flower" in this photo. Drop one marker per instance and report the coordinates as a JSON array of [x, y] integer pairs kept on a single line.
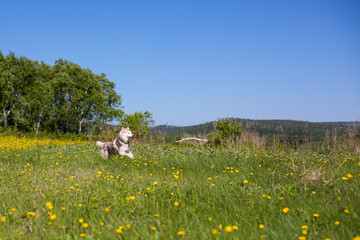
[[316, 215], [176, 204], [228, 229], [107, 209], [181, 233], [49, 205], [52, 217], [304, 227], [2, 219], [82, 235], [346, 211], [245, 181], [120, 229], [81, 220], [214, 232], [155, 183], [153, 228], [29, 214], [261, 226], [337, 223], [286, 210]]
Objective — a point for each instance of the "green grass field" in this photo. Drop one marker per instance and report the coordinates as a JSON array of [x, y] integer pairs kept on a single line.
[[70, 192]]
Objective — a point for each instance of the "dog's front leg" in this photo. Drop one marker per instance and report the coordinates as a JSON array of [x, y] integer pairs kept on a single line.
[[104, 154], [129, 154]]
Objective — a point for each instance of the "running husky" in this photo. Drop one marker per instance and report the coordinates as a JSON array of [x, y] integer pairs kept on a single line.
[[120, 145]]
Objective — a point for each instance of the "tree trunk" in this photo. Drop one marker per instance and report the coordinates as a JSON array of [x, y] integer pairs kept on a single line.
[[80, 123], [5, 118], [38, 123]]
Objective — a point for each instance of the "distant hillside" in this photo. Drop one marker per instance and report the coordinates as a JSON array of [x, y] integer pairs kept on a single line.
[[287, 130]]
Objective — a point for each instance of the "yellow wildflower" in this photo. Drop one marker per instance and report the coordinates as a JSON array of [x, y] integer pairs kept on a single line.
[[181, 233], [228, 229]]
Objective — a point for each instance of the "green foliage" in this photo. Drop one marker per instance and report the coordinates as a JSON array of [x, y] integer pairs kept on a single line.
[[227, 133], [137, 122], [63, 98]]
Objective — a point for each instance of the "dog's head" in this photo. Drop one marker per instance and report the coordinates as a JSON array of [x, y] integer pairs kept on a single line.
[[125, 132]]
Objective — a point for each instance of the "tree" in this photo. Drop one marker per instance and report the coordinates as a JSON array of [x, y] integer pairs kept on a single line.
[[62, 97], [38, 96], [80, 95], [227, 133], [137, 122]]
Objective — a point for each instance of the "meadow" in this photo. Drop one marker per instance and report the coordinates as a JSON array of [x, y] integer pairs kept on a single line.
[[52, 189]]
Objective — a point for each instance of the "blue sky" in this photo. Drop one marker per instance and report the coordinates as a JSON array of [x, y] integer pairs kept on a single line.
[[190, 62]]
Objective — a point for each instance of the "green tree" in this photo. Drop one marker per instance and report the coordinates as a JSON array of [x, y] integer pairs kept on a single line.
[[38, 96], [80, 95], [227, 133], [137, 122], [16, 74]]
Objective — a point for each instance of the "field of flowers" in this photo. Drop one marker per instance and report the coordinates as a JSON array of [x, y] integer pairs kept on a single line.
[[65, 190]]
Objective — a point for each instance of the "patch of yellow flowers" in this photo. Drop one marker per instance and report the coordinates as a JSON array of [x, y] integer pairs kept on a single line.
[[10, 143]]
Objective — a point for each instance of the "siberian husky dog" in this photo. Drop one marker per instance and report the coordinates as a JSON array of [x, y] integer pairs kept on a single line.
[[120, 145]]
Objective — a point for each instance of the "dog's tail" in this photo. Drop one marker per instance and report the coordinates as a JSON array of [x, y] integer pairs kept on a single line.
[[99, 144]]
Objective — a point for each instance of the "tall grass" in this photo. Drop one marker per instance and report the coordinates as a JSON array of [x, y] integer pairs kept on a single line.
[[70, 192]]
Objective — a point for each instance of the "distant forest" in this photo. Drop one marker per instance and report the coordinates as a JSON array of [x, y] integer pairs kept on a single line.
[[286, 131], [65, 97]]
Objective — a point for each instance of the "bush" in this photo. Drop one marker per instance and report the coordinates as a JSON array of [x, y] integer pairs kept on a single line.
[[227, 133]]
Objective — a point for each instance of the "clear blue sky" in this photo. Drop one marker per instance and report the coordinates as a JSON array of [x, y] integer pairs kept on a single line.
[[191, 62]]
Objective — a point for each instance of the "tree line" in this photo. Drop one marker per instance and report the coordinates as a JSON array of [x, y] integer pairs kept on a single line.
[[64, 97]]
